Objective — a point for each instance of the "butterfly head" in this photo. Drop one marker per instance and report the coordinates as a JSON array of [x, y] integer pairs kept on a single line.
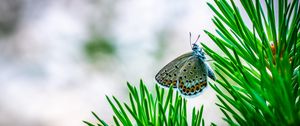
[[198, 51]]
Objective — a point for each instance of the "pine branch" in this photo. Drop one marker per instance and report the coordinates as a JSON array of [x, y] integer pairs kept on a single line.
[[145, 109], [260, 66]]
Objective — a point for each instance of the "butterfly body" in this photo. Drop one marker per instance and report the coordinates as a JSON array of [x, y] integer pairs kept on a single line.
[[188, 73]]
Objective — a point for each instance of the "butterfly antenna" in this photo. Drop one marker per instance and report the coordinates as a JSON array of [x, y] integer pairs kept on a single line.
[[197, 39], [190, 39]]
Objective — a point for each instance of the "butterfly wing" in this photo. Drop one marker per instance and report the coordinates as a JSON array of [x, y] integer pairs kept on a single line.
[[193, 77], [168, 75], [210, 72]]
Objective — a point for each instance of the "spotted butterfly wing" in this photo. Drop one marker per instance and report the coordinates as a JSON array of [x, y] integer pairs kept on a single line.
[[188, 72], [168, 75], [193, 76]]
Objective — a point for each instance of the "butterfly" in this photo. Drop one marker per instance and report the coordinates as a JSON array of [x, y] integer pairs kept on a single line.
[[188, 72]]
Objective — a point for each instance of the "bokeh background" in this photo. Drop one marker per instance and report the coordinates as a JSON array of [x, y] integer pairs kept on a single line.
[[59, 58]]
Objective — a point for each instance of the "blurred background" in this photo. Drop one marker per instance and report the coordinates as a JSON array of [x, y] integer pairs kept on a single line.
[[59, 58]]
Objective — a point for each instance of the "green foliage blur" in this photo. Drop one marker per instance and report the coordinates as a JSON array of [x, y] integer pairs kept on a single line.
[[99, 48]]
